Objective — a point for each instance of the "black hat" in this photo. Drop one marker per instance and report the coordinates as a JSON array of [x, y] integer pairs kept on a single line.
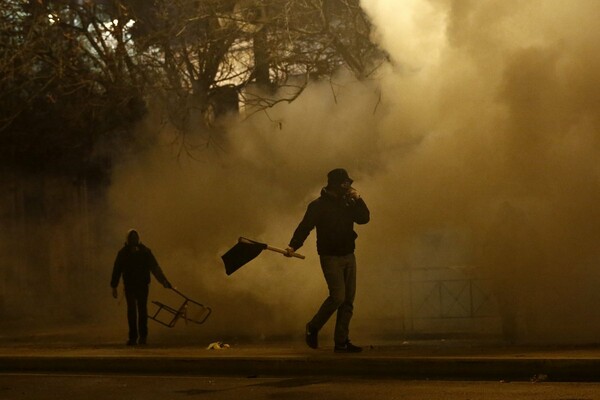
[[338, 176]]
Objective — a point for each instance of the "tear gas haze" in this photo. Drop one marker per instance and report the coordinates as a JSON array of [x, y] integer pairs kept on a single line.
[[482, 128], [475, 149]]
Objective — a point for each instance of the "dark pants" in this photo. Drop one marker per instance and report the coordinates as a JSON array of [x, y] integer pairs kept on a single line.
[[137, 311], [340, 274]]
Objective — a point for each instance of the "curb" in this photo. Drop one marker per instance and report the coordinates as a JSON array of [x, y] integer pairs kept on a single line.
[[439, 368]]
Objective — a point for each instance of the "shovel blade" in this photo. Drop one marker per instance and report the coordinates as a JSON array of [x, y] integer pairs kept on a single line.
[[241, 254]]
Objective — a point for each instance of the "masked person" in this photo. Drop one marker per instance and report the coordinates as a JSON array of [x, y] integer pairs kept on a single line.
[[334, 214], [135, 262]]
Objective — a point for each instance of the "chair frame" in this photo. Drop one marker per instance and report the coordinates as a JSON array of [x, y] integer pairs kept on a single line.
[[180, 312]]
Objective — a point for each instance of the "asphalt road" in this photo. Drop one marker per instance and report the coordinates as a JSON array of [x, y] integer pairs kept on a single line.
[[95, 387], [445, 361]]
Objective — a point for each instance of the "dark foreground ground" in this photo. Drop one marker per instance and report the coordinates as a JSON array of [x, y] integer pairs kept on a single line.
[[439, 359], [162, 387]]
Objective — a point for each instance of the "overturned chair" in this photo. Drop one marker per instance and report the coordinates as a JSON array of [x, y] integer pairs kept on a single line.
[[189, 310]]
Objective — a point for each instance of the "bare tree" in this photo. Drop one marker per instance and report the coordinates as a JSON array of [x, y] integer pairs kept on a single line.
[[63, 87], [207, 45], [77, 73]]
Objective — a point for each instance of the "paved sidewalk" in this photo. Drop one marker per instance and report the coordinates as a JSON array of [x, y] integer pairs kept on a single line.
[[434, 359]]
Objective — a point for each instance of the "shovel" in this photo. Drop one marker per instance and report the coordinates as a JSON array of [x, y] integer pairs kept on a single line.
[[247, 250]]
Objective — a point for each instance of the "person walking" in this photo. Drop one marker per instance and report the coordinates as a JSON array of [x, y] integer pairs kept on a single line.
[[134, 263], [334, 214]]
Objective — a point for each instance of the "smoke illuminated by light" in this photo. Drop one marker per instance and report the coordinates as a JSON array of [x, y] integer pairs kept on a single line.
[[485, 123]]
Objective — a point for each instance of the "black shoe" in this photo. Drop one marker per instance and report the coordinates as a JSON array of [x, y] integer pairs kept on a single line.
[[131, 342], [347, 348], [312, 338], [142, 340]]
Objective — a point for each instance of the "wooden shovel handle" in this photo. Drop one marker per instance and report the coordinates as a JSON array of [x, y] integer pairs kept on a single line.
[[275, 249], [282, 251]]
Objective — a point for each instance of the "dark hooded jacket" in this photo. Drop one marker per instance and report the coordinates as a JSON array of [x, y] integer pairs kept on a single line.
[[134, 263], [334, 218]]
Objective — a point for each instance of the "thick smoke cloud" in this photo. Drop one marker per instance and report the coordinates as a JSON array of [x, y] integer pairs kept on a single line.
[[502, 100], [484, 127], [190, 212]]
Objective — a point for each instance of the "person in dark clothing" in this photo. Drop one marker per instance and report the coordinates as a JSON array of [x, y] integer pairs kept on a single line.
[[334, 214], [134, 263]]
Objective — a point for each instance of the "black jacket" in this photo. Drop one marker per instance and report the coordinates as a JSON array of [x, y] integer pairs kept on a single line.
[[334, 219], [135, 264]]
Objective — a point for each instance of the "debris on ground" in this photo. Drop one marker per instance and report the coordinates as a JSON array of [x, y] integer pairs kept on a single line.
[[217, 346]]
